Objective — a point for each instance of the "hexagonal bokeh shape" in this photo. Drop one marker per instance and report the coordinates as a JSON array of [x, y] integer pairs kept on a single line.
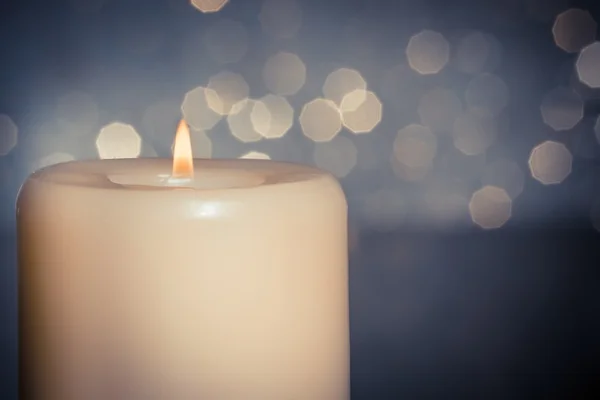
[[226, 89], [588, 65], [574, 29], [337, 156], [550, 162], [8, 134], [474, 133], [490, 207], [562, 108], [272, 117], [209, 6], [284, 73], [415, 146], [365, 117], [340, 83], [320, 120], [505, 174], [196, 111], [240, 121], [428, 52], [118, 140]]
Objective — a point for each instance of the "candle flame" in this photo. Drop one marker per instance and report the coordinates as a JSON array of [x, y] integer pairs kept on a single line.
[[183, 162]]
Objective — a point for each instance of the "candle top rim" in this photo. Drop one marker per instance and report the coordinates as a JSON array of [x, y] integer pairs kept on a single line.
[[239, 173]]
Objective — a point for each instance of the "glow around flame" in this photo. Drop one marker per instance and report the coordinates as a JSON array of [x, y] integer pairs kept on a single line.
[[183, 161]]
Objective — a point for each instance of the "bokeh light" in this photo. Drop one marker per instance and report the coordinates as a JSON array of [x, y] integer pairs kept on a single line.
[[8, 134], [240, 121], [574, 29], [428, 52], [343, 81], [505, 174], [550, 162], [284, 73], [366, 116], [256, 155], [118, 140], [490, 207], [415, 146], [487, 92], [209, 6], [588, 65], [281, 18], [320, 120], [226, 89], [474, 132], [272, 117], [77, 112], [337, 156], [226, 41], [439, 108], [562, 108], [196, 111]]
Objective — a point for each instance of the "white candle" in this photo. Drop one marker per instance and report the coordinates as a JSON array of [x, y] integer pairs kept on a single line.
[[228, 285]]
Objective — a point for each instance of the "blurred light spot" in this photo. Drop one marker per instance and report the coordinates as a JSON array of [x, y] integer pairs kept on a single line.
[[196, 111], [439, 108], [337, 156], [415, 146], [118, 140], [562, 108], [49, 137], [505, 174], [320, 120], [574, 29], [272, 117], [343, 81], [255, 155], [364, 117], [487, 92], [226, 89], [77, 112], [550, 162], [209, 6], [281, 18], [588, 65], [240, 121], [474, 132], [385, 209], [51, 159], [226, 41], [8, 134], [284, 73], [473, 53], [428, 52], [490, 207]]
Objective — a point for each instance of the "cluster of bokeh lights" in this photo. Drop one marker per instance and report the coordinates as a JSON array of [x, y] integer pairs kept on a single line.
[[346, 122]]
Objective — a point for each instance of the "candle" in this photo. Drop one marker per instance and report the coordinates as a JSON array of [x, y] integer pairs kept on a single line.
[[183, 279]]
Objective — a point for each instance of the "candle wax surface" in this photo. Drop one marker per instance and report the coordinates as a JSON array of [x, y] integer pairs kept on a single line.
[[232, 285]]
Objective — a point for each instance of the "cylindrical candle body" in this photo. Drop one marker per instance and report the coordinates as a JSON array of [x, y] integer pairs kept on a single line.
[[235, 289]]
